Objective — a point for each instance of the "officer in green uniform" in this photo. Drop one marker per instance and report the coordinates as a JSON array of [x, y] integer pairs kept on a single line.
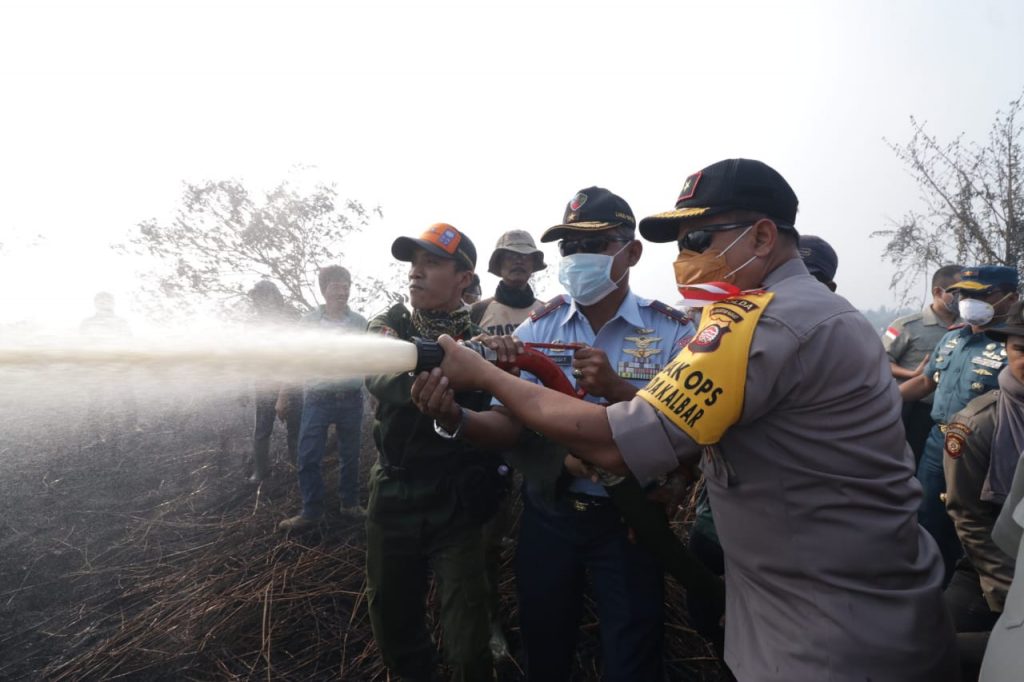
[[964, 365], [908, 340], [429, 493]]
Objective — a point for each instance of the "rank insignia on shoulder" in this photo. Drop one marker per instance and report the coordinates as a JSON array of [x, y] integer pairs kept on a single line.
[[669, 312], [549, 307]]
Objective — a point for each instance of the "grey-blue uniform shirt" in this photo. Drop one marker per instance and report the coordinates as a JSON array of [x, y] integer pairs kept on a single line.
[[639, 340], [965, 365]]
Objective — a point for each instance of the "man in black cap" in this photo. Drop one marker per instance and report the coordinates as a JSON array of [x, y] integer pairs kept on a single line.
[[820, 259], [430, 493], [785, 396], [572, 535]]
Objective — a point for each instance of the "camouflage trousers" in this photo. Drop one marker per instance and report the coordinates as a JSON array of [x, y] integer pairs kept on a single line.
[[413, 528]]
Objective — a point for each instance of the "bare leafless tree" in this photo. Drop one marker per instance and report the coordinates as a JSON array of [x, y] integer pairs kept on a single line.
[[223, 238], [973, 200]]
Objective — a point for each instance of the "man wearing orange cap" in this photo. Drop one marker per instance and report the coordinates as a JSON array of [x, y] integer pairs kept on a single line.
[[430, 493]]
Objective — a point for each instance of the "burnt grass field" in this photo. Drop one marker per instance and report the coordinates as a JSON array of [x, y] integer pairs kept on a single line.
[[141, 553]]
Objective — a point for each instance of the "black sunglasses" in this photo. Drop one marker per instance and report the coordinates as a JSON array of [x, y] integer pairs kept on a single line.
[[568, 247], [700, 240]]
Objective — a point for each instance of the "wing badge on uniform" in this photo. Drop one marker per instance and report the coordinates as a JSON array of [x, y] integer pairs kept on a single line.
[[642, 353], [642, 342]]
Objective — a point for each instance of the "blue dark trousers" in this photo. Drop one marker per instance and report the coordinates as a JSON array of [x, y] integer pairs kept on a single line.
[[557, 550], [344, 409], [932, 513]]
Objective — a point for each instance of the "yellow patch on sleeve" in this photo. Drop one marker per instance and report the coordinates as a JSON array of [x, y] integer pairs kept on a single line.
[[701, 390]]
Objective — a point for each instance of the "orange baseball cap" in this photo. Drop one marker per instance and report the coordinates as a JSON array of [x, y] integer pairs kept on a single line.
[[440, 239]]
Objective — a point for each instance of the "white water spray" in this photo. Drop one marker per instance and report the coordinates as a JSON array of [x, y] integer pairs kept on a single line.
[[276, 354], [48, 381]]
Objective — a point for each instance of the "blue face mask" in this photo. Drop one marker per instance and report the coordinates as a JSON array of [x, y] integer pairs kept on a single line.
[[588, 276]]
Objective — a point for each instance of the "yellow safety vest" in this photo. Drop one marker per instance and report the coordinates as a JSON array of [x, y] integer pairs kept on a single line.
[[701, 390]]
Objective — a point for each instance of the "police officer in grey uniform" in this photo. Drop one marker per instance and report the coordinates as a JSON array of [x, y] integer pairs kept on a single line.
[[908, 340], [821, 262], [964, 365], [811, 481]]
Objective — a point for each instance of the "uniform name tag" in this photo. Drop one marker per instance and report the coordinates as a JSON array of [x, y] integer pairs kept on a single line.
[[701, 390]]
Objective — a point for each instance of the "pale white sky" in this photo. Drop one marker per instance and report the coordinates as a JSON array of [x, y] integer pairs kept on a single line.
[[486, 115]]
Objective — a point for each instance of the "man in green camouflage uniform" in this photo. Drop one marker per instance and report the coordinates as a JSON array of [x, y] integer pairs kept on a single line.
[[429, 491]]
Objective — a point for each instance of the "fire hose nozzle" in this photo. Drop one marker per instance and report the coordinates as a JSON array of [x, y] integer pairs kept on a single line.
[[429, 353]]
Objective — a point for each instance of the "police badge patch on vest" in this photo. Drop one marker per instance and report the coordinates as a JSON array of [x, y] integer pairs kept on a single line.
[[956, 438]]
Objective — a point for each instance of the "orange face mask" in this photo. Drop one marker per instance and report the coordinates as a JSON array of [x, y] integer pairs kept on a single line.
[[692, 267]]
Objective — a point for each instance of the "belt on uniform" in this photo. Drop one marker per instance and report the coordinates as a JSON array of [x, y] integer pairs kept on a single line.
[[581, 502], [419, 470]]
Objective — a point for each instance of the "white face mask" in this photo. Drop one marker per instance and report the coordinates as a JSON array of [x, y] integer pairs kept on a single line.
[[588, 276], [976, 312]]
